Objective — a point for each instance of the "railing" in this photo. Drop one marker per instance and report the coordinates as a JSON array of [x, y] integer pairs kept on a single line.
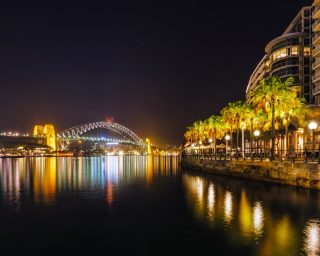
[[316, 77], [315, 23], [316, 50], [315, 10], [315, 37], [316, 89], [316, 63], [259, 154]]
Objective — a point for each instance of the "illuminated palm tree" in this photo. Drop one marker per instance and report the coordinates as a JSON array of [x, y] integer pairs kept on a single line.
[[290, 109], [219, 130], [232, 114], [268, 94]]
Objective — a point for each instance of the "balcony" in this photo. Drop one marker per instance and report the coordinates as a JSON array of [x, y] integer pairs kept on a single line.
[[316, 89], [316, 3], [316, 38], [316, 26], [316, 64], [316, 77], [316, 51], [316, 13]]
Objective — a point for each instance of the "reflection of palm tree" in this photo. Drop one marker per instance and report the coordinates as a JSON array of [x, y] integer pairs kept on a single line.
[[268, 94]]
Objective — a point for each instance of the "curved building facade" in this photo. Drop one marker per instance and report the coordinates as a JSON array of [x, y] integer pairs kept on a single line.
[[289, 55]]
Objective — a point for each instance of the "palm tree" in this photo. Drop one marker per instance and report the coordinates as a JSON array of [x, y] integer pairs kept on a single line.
[[229, 116], [219, 130], [292, 108], [270, 92]]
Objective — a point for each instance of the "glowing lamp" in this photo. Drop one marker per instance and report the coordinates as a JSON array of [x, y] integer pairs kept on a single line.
[[313, 125], [256, 133]]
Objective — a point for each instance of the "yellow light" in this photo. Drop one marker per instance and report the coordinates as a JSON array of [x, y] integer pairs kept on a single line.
[[258, 219], [228, 207], [227, 137], [312, 238], [256, 133], [313, 125], [210, 140]]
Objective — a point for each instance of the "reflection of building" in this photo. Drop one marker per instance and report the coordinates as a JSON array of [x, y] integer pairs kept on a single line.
[[48, 132], [45, 179], [289, 55]]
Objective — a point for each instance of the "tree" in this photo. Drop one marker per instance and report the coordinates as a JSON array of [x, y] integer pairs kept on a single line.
[[270, 92], [232, 114], [292, 108]]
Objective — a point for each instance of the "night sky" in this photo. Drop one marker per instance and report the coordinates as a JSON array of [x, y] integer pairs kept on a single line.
[[155, 66]]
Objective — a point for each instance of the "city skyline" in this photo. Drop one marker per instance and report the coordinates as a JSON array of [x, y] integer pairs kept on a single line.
[[162, 65]]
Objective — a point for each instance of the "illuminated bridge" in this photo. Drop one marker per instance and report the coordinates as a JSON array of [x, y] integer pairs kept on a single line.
[[104, 132]]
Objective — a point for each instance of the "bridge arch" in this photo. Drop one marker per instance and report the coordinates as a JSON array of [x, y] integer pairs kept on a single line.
[[75, 132]]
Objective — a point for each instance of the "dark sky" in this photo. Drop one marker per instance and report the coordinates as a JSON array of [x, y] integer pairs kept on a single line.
[[155, 66]]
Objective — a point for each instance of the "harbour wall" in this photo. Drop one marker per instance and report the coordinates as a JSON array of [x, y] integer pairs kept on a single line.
[[305, 175]]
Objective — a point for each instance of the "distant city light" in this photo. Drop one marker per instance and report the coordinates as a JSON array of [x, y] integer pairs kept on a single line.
[[112, 143]]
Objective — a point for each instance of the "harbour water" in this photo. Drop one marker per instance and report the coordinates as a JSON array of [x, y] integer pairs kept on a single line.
[[143, 205]]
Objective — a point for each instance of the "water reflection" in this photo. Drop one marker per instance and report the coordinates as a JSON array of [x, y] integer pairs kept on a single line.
[[273, 219], [43, 179], [228, 207], [211, 201], [312, 238], [258, 219]]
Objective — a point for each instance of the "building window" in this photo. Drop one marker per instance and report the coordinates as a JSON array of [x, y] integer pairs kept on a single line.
[[284, 52], [306, 61], [306, 89], [307, 98], [307, 41], [279, 54], [306, 13], [307, 79], [294, 50], [306, 51], [306, 70]]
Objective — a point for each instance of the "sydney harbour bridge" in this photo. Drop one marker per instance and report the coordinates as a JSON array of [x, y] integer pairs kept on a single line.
[[103, 136]]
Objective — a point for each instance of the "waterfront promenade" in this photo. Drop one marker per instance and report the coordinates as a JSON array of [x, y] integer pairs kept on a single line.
[[296, 171]]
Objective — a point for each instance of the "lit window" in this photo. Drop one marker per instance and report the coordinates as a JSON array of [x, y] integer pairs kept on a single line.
[[306, 51], [294, 50], [279, 54]]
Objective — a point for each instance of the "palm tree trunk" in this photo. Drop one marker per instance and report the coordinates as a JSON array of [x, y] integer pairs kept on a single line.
[[215, 146], [272, 131], [237, 137], [251, 137], [287, 139], [231, 140], [242, 142]]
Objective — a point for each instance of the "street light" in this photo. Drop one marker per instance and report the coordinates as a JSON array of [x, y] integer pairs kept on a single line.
[[312, 126], [256, 134], [227, 138], [243, 127]]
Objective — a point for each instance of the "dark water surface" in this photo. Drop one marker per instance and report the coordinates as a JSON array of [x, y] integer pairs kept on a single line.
[[148, 206]]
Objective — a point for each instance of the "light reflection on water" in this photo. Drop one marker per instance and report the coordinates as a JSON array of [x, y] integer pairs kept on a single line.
[[43, 179], [272, 219], [275, 220], [312, 238], [228, 207]]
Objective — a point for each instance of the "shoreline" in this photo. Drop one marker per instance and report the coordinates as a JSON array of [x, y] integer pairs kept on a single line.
[[306, 175]]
